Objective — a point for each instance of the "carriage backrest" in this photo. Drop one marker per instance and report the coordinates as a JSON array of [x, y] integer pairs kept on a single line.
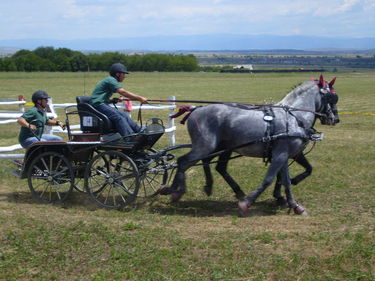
[[92, 120]]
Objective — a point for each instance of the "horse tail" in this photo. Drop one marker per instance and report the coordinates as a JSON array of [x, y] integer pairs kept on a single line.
[[183, 109]]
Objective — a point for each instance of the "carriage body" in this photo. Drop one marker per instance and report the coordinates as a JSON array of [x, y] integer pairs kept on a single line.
[[111, 169]]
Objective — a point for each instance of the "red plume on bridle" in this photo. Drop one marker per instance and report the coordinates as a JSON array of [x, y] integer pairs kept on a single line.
[[321, 82], [332, 82]]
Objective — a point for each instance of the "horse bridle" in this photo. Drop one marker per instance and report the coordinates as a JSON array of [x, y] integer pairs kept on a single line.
[[328, 98]]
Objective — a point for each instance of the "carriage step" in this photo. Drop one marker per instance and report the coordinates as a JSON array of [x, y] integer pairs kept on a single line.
[[16, 173]]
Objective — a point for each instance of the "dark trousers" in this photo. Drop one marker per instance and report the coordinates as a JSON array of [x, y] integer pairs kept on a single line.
[[122, 121]]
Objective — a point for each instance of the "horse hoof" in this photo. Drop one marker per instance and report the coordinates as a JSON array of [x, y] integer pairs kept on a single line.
[[299, 210], [240, 195], [244, 208], [282, 202], [207, 190], [176, 196], [165, 190]]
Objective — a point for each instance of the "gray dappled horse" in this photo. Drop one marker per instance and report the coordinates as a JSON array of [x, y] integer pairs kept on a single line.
[[276, 132]]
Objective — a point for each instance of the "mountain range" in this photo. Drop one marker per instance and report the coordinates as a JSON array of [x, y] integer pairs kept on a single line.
[[196, 43]]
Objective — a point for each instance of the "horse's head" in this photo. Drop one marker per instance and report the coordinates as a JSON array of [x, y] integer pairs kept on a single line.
[[328, 102]]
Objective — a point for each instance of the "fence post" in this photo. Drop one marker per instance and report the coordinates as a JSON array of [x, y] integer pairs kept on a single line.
[[172, 135], [49, 129], [21, 106]]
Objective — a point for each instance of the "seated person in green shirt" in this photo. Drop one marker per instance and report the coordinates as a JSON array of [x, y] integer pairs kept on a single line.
[[105, 89], [29, 131]]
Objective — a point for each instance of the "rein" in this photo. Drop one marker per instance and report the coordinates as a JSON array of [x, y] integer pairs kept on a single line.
[[240, 105]]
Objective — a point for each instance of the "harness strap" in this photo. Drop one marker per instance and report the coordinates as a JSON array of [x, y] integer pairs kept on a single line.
[[186, 108], [264, 140], [268, 117], [299, 122]]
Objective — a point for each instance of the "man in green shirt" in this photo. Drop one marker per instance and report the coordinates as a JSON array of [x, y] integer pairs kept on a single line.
[[105, 89], [33, 121]]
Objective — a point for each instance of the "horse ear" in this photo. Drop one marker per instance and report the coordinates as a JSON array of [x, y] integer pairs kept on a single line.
[[321, 81], [332, 82]]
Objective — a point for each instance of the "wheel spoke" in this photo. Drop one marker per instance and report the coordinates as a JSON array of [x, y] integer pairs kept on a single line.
[[63, 171], [122, 197], [111, 179], [102, 188], [45, 164], [124, 187], [45, 190]]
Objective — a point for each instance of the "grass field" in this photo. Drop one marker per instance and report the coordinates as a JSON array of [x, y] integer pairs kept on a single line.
[[202, 238]]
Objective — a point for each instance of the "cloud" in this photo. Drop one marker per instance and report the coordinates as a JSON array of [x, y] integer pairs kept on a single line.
[[347, 5], [70, 19]]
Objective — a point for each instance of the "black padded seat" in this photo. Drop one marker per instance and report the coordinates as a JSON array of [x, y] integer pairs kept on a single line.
[[92, 120]]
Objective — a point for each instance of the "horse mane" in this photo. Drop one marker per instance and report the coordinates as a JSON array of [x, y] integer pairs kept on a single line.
[[296, 92]]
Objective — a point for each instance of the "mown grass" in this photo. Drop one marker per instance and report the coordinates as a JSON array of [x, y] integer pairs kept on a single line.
[[203, 238]]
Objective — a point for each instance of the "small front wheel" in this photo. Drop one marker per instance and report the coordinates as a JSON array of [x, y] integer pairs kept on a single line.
[[50, 177], [112, 180], [155, 174]]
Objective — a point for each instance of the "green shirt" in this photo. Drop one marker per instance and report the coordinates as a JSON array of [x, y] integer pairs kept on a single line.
[[30, 115], [104, 90]]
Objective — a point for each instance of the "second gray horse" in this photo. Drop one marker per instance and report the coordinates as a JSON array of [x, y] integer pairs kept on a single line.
[[277, 132]]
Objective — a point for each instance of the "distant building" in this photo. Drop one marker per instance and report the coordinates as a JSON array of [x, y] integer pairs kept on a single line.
[[243, 67]]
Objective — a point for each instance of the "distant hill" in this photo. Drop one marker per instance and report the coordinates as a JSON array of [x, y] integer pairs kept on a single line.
[[7, 51], [225, 42]]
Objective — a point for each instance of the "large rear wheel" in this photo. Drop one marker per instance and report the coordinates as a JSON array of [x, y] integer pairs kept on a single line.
[[112, 180]]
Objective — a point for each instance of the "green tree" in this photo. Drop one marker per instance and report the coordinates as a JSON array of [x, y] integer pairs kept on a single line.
[[79, 62], [32, 62], [9, 64], [21, 53], [64, 59], [45, 52], [62, 62]]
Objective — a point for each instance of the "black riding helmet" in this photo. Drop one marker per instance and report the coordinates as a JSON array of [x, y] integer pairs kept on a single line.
[[117, 67], [38, 95]]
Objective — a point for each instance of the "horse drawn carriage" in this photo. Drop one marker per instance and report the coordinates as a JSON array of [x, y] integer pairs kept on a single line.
[[111, 169], [115, 170]]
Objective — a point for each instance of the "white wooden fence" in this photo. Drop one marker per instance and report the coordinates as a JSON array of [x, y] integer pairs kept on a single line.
[[7, 117]]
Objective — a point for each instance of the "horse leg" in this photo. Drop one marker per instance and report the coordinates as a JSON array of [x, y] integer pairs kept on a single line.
[[301, 159], [279, 159], [298, 209], [280, 200], [178, 187], [208, 176], [222, 169], [272, 171]]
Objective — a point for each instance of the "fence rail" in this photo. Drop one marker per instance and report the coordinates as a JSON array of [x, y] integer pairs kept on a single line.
[[8, 116]]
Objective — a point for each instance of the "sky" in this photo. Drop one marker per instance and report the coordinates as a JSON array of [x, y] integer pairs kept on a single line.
[[83, 19]]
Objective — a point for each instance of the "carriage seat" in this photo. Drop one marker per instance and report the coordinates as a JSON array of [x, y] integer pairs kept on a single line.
[[92, 120]]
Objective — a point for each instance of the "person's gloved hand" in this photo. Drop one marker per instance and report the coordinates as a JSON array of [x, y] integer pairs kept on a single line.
[[32, 127], [61, 124]]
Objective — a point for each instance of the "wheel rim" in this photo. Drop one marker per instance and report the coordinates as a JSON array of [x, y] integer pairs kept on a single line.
[[111, 180], [50, 177]]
